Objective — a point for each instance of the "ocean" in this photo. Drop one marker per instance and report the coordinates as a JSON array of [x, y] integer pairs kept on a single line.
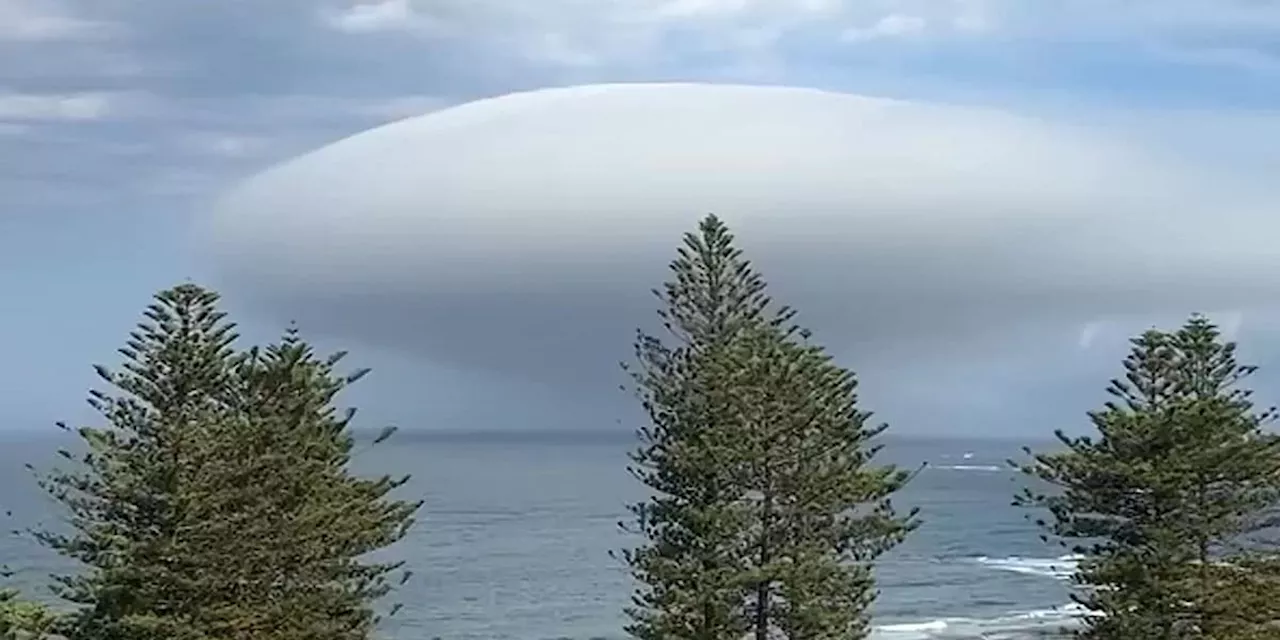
[[513, 542]]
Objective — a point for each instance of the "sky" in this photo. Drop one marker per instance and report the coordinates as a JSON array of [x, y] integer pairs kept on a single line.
[[123, 124]]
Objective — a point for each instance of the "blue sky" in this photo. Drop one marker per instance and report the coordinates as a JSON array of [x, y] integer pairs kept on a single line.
[[121, 121]]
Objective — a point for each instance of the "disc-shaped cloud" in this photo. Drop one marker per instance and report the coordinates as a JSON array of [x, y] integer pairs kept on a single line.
[[523, 233]]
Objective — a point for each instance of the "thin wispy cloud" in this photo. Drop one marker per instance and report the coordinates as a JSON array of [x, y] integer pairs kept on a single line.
[[1230, 323], [1088, 333], [90, 106], [892, 26], [374, 17], [34, 21]]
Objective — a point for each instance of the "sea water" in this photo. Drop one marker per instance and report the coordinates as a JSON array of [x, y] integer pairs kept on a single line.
[[514, 540]]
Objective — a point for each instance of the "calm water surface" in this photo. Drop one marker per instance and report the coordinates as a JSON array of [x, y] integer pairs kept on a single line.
[[514, 539]]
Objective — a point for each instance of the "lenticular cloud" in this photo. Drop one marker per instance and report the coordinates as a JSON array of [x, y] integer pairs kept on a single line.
[[523, 233]]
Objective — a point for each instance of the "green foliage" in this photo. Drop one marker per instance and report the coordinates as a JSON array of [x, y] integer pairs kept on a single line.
[[25, 619], [693, 563], [822, 512], [297, 540], [1164, 501], [217, 503], [126, 500], [765, 513]]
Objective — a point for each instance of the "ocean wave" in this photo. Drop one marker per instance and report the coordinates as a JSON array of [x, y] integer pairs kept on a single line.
[[1061, 567], [1028, 624], [971, 467]]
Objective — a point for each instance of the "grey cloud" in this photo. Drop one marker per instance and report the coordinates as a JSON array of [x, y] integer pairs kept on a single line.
[[215, 49], [165, 77], [486, 48], [117, 150], [237, 85], [521, 234], [46, 21]]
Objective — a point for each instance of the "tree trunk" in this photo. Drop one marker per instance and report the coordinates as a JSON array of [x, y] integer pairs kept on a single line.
[[762, 589]]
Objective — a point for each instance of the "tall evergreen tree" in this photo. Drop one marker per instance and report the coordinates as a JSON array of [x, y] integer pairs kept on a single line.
[[1163, 501], [126, 499], [766, 514], [305, 530], [692, 562], [1233, 464], [822, 510], [22, 619], [218, 503]]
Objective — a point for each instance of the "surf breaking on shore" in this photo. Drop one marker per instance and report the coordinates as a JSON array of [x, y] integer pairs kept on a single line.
[[1023, 625], [1042, 623]]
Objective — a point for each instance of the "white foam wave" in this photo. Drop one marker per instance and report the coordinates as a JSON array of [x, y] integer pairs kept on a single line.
[[1010, 626], [972, 467], [1061, 567]]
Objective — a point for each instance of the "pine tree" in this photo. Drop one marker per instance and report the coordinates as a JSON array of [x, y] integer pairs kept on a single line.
[[767, 514], [691, 564], [823, 512], [1233, 466], [23, 619], [304, 531], [218, 502], [20, 617], [126, 499], [1162, 502]]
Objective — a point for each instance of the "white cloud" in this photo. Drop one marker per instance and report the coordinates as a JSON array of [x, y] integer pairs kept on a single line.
[[1225, 33], [297, 113], [1168, 16], [585, 32], [377, 16], [42, 20], [401, 106], [512, 232], [1221, 56], [1229, 323], [82, 106], [227, 145], [1088, 333], [906, 19], [196, 184], [681, 9], [574, 33], [973, 16], [890, 26]]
